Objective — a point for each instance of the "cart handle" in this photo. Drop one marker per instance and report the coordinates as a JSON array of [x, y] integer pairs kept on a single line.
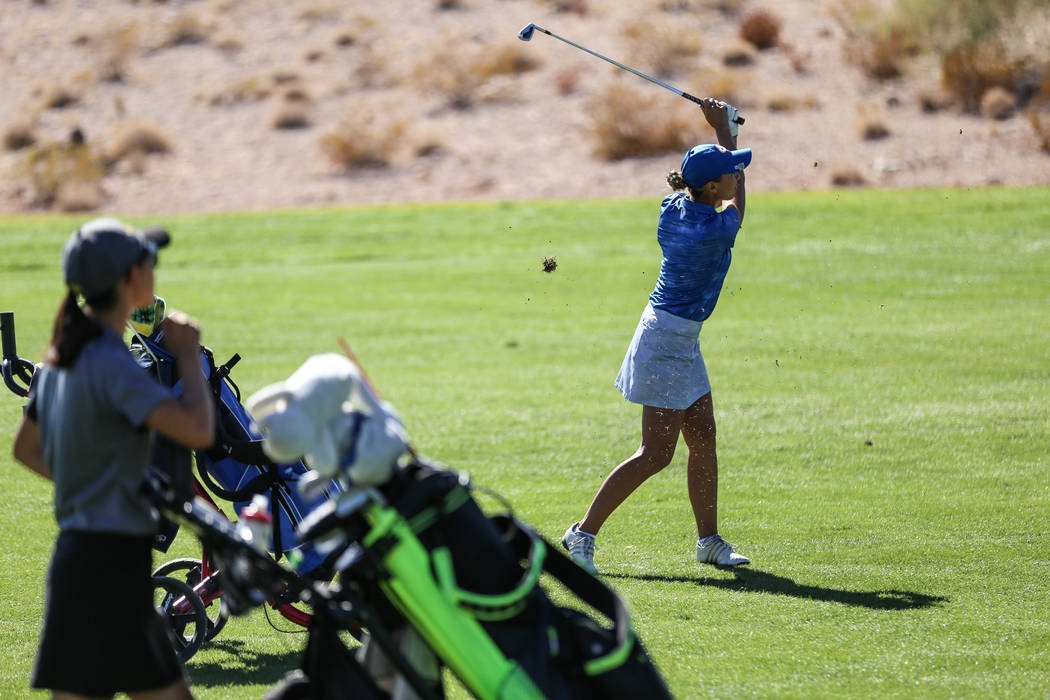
[[14, 368]]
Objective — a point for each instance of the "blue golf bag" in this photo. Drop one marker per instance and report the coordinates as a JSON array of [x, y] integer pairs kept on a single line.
[[234, 468]]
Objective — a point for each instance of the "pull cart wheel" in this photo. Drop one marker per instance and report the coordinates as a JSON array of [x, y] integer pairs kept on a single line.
[[189, 570], [183, 611]]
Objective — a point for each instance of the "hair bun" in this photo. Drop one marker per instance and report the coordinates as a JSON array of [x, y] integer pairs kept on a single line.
[[675, 180]]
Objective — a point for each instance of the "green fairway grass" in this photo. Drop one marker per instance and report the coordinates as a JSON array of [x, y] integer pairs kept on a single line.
[[881, 371]]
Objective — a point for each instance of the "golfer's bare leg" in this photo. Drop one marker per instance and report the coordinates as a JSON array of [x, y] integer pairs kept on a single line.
[[660, 428], [698, 429]]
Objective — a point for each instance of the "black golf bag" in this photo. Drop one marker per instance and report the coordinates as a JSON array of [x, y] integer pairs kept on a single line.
[[488, 569]]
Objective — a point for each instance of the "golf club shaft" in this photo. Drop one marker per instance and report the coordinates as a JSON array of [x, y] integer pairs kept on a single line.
[[662, 84]]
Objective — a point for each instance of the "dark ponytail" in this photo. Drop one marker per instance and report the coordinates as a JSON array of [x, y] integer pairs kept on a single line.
[[72, 331]]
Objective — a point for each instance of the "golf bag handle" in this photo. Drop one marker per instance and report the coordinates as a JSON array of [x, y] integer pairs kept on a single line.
[[14, 367]]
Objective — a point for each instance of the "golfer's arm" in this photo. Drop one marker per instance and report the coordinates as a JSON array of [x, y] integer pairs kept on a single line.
[[741, 195], [27, 449], [727, 140], [189, 419]]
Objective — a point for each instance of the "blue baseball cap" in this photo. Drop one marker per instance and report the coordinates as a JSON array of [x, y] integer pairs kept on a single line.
[[709, 161]]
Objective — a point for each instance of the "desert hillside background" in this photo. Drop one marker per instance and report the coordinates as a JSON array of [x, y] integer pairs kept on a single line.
[[146, 108]]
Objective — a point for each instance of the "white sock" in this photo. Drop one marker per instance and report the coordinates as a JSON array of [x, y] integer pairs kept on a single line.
[[581, 532]]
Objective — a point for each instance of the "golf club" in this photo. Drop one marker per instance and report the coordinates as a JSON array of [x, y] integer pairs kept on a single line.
[[526, 34]]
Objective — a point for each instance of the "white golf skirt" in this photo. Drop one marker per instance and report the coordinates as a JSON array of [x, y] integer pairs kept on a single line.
[[663, 366]]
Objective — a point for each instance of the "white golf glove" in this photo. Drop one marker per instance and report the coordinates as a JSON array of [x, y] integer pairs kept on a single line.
[[732, 112]]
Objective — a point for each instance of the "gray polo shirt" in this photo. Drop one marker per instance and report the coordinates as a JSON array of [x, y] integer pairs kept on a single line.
[[92, 429]]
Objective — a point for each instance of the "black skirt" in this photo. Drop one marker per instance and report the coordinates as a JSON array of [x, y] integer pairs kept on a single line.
[[102, 634]]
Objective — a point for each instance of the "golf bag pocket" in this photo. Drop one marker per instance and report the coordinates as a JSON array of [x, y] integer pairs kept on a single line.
[[597, 661], [599, 665]]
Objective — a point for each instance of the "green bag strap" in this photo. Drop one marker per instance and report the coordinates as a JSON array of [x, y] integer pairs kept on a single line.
[[499, 606], [587, 588]]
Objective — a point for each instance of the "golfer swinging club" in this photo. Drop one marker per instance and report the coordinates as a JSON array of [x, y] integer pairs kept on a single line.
[[663, 369]]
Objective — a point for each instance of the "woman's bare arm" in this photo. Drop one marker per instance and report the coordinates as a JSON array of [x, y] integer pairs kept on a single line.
[[27, 448]]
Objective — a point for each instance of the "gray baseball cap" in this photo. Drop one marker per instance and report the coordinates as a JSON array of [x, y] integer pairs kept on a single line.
[[100, 253]]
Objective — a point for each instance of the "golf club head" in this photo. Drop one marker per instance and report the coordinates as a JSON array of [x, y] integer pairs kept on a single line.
[[526, 33]]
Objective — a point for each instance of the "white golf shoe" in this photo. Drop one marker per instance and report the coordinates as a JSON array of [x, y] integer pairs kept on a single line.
[[581, 547], [715, 550]]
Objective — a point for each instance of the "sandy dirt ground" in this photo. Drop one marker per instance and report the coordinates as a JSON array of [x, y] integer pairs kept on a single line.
[[214, 94]]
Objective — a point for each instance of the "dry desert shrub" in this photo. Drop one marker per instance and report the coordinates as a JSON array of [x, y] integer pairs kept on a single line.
[[183, 29], [871, 122], [285, 77], [426, 141], [1037, 116], [359, 25], [980, 44], [19, 135], [738, 52], [847, 175], [931, 101], [997, 103], [567, 79], [798, 59], [292, 110], [876, 40], [290, 115], [509, 57], [761, 29], [295, 93], [374, 68], [57, 95], [460, 71], [782, 99], [675, 5], [1041, 126], [320, 11], [727, 7], [661, 46], [367, 137], [114, 49], [452, 70], [227, 43], [627, 122], [970, 70], [880, 56], [344, 38], [251, 89], [725, 85], [136, 140], [578, 7], [79, 195], [62, 174]]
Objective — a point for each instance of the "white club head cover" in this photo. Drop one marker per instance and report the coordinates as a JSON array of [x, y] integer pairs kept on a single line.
[[380, 441], [294, 415]]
